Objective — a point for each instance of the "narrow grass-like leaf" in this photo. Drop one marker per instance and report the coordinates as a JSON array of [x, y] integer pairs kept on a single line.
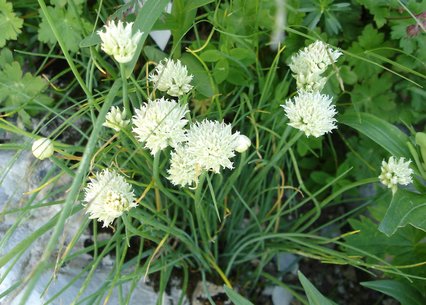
[[314, 296], [144, 22], [235, 297], [383, 133], [402, 292]]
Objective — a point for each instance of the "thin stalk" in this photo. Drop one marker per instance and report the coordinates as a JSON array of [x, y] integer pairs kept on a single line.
[[156, 168], [198, 206], [125, 97], [72, 195], [67, 55]]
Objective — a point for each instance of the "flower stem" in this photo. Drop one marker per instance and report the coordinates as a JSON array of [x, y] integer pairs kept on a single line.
[[198, 213], [156, 174], [125, 97]]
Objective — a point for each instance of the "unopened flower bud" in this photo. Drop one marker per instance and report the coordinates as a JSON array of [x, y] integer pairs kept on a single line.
[[42, 148], [242, 143]]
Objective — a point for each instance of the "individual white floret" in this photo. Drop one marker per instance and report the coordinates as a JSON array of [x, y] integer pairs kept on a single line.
[[172, 77], [311, 112], [115, 119], [394, 172], [118, 41], [159, 124], [108, 196]]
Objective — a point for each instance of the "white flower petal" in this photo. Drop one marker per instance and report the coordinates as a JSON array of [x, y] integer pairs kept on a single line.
[[394, 172]]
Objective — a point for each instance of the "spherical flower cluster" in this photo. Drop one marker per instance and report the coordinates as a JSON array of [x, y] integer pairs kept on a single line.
[[42, 148], [118, 41], [309, 63], [171, 77], [311, 112], [394, 172], [115, 119], [209, 146], [159, 124], [107, 196]]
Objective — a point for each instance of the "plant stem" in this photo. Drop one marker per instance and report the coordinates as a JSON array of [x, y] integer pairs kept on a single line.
[[125, 97], [198, 213], [72, 195], [156, 174]]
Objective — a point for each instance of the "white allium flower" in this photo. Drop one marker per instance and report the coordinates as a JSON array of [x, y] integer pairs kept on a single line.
[[311, 112], [309, 63], [159, 124], [396, 171], [171, 77], [183, 169], [211, 144], [242, 143], [42, 148], [118, 41], [107, 196], [115, 119]]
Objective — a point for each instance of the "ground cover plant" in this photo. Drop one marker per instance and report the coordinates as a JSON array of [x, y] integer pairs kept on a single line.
[[260, 128]]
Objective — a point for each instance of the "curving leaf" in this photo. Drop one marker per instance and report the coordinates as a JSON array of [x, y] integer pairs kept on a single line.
[[236, 298], [402, 292], [405, 208], [10, 25], [314, 296], [383, 133]]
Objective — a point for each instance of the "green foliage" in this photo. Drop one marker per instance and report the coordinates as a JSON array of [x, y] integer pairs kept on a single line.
[[403, 292], [314, 296], [20, 91], [69, 22], [405, 208], [236, 298], [10, 24]]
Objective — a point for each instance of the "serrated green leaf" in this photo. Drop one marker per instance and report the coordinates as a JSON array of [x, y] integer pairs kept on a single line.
[[383, 133], [400, 291], [68, 23], [10, 25], [235, 297], [405, 208], [17, 89], [6, 57], [145, 20], [314, 296]]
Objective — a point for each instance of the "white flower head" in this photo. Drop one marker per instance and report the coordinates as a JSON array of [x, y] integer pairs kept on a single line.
[[159, 124], [107, 196], [118, 41], [309, 63], [312, 113], [396, 171], [115, 119], [172, 77], [183, 168], [242, 143], [42, 148], [212, 144]]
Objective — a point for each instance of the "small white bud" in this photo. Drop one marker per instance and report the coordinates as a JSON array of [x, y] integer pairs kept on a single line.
[[42, 148], [242, 143]]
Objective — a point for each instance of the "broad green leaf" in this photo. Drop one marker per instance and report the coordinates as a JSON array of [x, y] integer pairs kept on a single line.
[[402, 292], [405, 208], [211, 56], [10, 25], [221, 70], [144, 22], [154, 54], [202, 80], [236, 298], [314, 296], [384, 134]]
